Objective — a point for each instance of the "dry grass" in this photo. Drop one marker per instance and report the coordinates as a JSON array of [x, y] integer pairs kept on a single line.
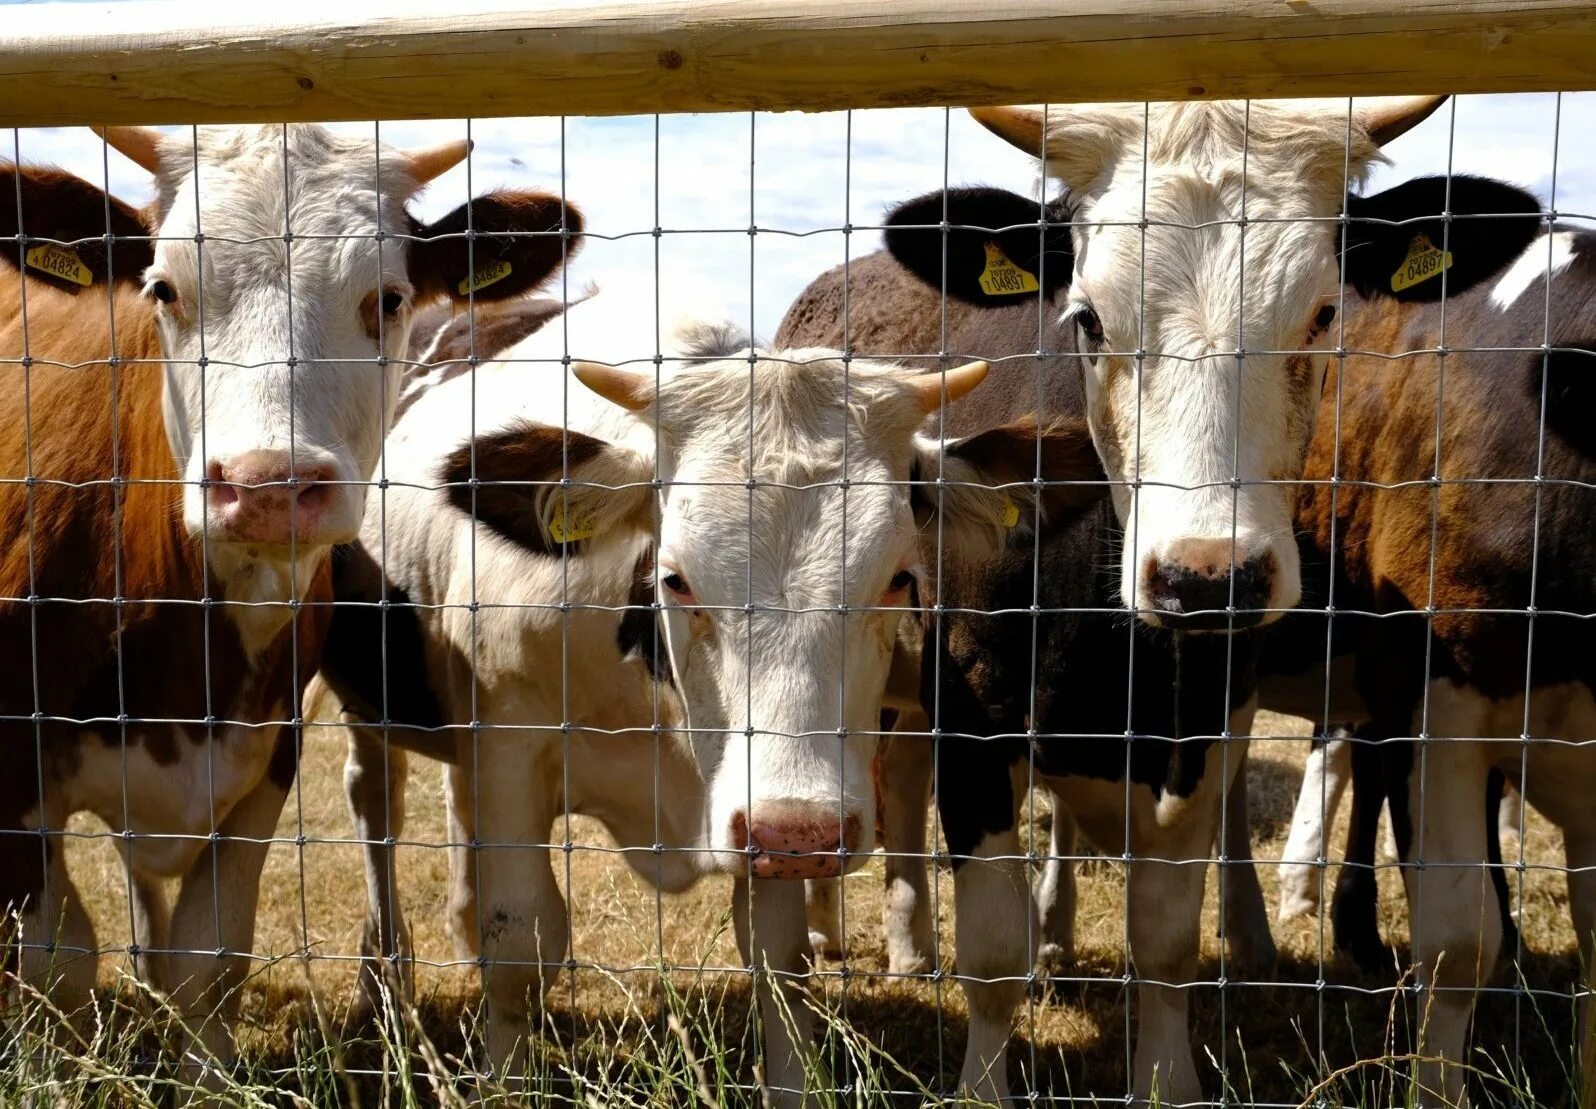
[[1273, 1039]]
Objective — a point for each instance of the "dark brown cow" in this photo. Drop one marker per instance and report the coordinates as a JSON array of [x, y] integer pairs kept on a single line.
[[158, 633]]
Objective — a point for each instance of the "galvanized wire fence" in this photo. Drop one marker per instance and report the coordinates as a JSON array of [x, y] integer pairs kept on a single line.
[[674, 602]]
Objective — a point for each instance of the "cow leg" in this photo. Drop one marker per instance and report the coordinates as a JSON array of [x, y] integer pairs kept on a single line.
[[152, 930], [772, 940], [461, 830], [1354, 909], [995, 924], [906, 792], [823, 910], [57, 951], [1302, 862], [374, 782], [1248, 941], [1495, 784], [1055, 895], [213, 929], [522, 916], [1456, 931], [1164, 896], [1579, 848]]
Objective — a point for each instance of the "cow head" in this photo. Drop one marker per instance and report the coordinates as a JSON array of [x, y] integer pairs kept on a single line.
[[1202, 334], [284, 272], [794, 498]]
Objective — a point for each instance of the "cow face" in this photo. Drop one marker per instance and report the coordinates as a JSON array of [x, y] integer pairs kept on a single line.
[[284, 273], [1202, 333], [789, 532]]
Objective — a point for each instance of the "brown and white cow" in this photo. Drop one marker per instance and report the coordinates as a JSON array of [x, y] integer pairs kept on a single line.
[[1193, 342], [190, 417], [775, 510]]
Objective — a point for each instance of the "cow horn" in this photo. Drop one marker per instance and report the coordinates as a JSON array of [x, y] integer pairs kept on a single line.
[[140, 145], [960, 380], [1397, 115], [1021, 127], [435, 161], [630, 390]]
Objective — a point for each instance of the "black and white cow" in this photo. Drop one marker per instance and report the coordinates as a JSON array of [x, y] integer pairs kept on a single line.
[[1193, 344], [773, 504]]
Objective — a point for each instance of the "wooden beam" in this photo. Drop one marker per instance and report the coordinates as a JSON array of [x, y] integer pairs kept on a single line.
[[182, 61]]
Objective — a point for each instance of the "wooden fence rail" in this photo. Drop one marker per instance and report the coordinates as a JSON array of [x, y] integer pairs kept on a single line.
[[182, 61]]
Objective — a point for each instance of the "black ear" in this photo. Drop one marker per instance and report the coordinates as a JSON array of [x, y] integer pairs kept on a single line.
[[1398, 243], [57, 206], [987, 265], [516, 241]]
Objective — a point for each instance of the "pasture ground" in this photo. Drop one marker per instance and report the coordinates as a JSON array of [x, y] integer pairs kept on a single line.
[[619, 1037]]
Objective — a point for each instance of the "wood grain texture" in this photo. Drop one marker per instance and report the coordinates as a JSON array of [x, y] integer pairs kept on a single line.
[[181, 61]]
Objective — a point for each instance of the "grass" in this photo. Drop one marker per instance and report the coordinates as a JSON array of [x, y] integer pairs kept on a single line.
[[622, 1030]]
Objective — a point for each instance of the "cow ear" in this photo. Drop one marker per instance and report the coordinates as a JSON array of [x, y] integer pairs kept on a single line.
[[510, 482], [1398, 243], [73, 216], [988, 492], [495, 246], [997, 254]]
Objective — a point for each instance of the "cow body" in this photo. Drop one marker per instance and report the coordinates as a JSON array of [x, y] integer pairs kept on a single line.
[[516, 599], [1506, 528], [186, 439]]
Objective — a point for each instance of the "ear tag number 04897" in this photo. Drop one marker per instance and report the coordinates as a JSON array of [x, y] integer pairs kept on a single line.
[[1424, 262], [1002, 277]]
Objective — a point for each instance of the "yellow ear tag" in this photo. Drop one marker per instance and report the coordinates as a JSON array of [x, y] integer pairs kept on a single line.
[[1424, 261], [1011, 515], [1002, 277], [563, 529], [59, 261], [487, 273]]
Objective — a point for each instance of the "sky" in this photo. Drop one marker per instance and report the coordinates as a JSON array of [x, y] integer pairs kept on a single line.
[[800, 177]]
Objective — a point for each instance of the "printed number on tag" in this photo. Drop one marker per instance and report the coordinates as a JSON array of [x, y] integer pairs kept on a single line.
[[60, 262], [1425, 260], [570, 529], [1002, 277], [487, 274]]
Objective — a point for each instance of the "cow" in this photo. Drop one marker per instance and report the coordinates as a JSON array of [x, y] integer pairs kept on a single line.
[[1459, 525], [772, 505], [1122, 300], [197, 393]]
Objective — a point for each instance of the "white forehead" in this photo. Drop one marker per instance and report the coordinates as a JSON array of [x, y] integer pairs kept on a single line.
[[251, 185]]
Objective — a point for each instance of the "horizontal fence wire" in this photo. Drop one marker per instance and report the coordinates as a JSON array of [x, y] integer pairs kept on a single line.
[[620, 658]]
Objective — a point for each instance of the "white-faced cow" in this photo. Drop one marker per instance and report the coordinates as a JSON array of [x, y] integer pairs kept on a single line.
[[189, 423], [773, 504], [1193, 343]]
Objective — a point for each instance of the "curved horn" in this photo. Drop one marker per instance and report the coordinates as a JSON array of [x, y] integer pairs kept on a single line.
[[960, 380], [1397, 115], [1021, 127], [435, 161], [630, 390], [140, 145]]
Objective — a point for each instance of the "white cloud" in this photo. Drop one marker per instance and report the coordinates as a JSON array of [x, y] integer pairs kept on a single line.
[[706, 179]]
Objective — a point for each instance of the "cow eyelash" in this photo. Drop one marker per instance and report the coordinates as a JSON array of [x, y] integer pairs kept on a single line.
[[1086, 318]]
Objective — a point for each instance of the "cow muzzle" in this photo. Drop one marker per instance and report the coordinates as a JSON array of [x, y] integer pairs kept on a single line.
[[795, 839], [270, 497], [1208, 585]]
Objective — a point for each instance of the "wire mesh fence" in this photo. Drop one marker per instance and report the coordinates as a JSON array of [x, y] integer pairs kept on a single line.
[[784, 603]]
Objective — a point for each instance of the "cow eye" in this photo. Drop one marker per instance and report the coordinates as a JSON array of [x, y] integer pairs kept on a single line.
[[392, 302], [1322, 321], [162, 291], [900, 581], [1091, 327], [677, 585]]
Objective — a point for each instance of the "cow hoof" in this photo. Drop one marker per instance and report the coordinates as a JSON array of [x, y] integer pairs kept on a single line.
[[1253, 960], [824, 946], [1054, 960], [913, 963], [1296, 904]]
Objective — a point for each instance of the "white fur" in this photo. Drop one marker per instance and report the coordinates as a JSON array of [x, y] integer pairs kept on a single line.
[[1193, 289], [1546, 257], [761, 690]]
